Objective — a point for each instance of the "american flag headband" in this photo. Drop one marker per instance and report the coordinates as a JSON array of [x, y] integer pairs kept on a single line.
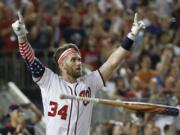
[[66, 53]]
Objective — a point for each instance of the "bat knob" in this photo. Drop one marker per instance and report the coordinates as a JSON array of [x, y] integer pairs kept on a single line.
[[172, 111]]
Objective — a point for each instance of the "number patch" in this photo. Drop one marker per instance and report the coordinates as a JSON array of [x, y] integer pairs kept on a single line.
[[85, 93], [62, 112]]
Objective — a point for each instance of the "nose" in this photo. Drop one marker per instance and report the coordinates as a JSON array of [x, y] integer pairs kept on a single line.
[[78, 62]]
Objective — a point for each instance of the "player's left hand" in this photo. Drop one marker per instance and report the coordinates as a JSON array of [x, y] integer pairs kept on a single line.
[[137, 25]]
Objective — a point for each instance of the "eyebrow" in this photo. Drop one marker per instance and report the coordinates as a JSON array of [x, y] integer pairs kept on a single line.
[[78, 56], [75, 58]]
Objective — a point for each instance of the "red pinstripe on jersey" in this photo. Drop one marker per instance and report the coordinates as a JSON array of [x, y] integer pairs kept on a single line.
[[27, 52], [77, 111], [69, 123]]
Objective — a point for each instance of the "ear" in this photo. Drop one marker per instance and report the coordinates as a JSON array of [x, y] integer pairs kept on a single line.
[[62, 65]]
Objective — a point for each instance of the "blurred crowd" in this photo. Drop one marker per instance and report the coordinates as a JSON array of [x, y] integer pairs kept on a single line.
[[149, 74], [17, 120]]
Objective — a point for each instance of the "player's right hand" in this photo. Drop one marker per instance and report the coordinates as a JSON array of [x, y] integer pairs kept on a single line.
[[19, 27]]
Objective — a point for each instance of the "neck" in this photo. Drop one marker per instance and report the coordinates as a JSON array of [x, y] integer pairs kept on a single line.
[[69, 79]]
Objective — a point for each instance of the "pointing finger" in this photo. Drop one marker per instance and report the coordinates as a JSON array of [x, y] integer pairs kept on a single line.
[[20, 17], [135, 18]]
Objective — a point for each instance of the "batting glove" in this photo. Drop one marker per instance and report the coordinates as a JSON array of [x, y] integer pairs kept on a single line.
[[137, 25], [19, 27]]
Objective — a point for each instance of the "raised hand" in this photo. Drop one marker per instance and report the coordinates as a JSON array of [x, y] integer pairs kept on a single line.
[[19, 26], [137, 25]]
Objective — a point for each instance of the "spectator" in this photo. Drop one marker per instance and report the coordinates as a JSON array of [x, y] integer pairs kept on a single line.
[[151, 129], [154, 91], [105, 5], [135, 129], [90, 16], [154, 27], [91, 53], [37, 115], [168, 89], [75, 33], [176, 13], [165, 40], [164, 7], [121, 90], [176, 46], [41, 34], [30, 15], [103, 128], [65, 15], [17, 122], [168, 130], [145, 73], [7, 39], [174, 68], [119, 130], [149, 42], [3, 120], [165, 25], [176, 94], [162, 72], [136, 92]]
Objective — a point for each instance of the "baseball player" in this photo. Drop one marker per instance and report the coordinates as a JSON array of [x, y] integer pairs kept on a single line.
[[70, 117]]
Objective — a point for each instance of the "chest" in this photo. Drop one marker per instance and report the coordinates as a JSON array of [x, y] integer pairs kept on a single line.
[[64, 107], [78, 89]]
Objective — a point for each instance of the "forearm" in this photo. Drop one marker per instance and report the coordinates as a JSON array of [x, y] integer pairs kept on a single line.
[[37, 113], [20, 129], [33, 64], [117, 57], [113, 62], [26, 50]]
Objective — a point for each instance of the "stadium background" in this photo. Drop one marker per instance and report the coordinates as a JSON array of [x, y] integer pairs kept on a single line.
[[150, 74]]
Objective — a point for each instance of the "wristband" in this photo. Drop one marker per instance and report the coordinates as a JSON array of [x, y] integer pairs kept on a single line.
[[36, 68], [127, 43]]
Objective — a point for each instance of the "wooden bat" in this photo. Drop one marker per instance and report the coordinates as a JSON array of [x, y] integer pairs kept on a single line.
[[136, 106]]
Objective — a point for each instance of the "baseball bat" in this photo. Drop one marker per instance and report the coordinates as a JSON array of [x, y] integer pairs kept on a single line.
[[136, 106]]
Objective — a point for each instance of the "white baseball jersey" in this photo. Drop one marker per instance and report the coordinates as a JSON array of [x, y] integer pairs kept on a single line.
[[68, 117]]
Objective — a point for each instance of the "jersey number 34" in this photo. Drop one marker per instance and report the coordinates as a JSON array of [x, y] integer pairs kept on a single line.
[[62, 112]]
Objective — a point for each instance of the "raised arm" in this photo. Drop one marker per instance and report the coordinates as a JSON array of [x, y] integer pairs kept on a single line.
[[117, 57], [26, 51]]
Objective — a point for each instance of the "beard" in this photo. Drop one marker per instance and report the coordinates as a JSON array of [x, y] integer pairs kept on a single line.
[[75, 73]]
